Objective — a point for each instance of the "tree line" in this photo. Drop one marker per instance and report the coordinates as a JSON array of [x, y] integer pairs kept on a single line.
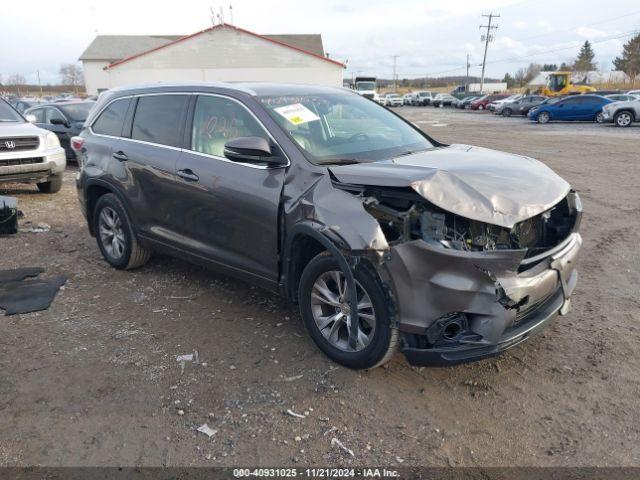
[[628, 62]]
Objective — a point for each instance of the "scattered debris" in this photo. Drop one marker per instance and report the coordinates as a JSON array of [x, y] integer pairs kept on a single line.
[[339, 444], [181, 412], [8, 215], [208, 431], [37, 228], [292, 379], [183, 359], [20, 294], [294, 414]]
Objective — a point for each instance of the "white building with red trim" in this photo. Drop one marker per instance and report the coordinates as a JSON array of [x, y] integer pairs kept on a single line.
[[220, 53]]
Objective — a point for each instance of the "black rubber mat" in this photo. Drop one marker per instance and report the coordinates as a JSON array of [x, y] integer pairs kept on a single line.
[[21, 294]]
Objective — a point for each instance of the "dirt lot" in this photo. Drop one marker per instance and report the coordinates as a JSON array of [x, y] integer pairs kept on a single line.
[[94, 379]]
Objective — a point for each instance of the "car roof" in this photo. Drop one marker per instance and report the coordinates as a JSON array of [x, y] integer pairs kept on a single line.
[[251, 88], [63, 104]]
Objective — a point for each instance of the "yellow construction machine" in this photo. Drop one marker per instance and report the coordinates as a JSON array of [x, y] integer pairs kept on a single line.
[[559, 83]]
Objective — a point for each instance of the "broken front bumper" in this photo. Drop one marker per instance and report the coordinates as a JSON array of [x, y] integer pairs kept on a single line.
[[500, 297]]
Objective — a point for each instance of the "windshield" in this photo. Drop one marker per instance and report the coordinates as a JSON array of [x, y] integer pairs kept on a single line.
[[365, 86], [343, 127], [77, 112], [8, 114]]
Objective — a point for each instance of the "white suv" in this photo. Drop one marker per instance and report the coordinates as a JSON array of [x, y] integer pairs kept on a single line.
[[29, 154]]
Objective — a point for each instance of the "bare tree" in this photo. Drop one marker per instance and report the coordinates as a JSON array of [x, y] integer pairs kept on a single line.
[[16, 80], [71, 74], [520, 76]]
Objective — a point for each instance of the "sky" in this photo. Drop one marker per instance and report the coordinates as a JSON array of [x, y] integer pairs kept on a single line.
[[429, 37]]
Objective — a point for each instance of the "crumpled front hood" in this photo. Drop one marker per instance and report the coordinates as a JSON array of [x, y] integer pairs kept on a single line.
[[473, 182]]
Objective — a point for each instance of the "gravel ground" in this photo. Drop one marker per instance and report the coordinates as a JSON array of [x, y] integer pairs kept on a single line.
[[94, 379]]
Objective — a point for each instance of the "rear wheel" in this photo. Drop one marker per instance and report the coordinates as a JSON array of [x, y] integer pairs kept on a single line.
[[623, 119], [480, 107], [322, 295], [507, 112], [115, 235], [543, 117], [52, 185]]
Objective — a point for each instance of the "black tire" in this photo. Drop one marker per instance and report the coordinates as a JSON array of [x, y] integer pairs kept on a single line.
[[623, 119], [385, 340], [52, 185], [599, 117], [506, 112], [133, 255]]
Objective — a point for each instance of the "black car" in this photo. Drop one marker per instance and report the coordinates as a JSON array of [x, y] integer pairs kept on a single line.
[[63, 119], [22, 105], [384, 237]]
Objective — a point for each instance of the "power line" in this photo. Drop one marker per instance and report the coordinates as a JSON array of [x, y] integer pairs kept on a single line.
[[523, 57], [555, 32]]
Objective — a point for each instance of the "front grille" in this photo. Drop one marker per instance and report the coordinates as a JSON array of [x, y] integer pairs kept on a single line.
[[10, 162], [18, 144]]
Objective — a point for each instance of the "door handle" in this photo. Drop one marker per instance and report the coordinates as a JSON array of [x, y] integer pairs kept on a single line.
[[120, 156], [188, 174]]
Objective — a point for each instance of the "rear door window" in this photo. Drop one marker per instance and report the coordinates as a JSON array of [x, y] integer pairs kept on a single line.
[[112, 118], [158, 119]]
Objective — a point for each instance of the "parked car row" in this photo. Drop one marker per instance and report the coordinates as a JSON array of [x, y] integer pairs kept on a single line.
[[621, 109]]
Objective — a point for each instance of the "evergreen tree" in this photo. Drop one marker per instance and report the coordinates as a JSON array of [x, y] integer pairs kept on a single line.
[[549, 67], [509, 80], [585, 62], [629, 61]]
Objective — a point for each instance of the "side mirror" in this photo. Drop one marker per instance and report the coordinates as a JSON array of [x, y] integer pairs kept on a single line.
[[250, 150], [60, 121], [31, 118]]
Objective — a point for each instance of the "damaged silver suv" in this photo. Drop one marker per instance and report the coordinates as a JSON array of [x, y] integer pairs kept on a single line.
[[385, 238]]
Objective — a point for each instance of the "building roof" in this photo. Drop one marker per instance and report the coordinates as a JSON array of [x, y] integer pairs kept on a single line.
[[116, 47], [112, 48]]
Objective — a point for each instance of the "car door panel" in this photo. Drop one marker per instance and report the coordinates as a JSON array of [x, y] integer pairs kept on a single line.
[[149, 154], [231, 211]]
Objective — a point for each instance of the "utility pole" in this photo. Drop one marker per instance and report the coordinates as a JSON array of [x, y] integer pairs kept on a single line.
[[486, 38], [466, 85], [395, 57], [39, 84]]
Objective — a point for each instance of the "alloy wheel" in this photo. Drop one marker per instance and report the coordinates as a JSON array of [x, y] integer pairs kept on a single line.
[[111, 232], [623, 119], [599, 117], [332, 314]]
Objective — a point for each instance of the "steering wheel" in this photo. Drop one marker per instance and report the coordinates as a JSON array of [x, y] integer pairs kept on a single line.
[[360, 137]]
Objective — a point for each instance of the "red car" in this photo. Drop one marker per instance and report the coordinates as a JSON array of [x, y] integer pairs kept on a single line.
[[482, 102]]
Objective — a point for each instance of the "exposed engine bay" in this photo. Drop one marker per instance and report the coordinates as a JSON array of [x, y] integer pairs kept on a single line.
[[404, 215]]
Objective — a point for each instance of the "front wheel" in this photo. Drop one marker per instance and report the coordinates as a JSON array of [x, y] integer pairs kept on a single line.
[[507, 112], [623, 119], [480, 107], [543, 117], [322, 295], [599, 117]]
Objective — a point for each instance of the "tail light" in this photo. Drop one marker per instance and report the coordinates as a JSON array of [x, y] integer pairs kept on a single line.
[[77, 143]]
